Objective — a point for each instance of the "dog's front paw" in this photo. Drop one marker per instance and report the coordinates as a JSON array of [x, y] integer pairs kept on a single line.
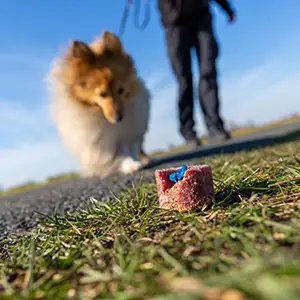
[[129, 165]]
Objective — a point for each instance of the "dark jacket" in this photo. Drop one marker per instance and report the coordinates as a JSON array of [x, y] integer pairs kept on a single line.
[[175, 12]]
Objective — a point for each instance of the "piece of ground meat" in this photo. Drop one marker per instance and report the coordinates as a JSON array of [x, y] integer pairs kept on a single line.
[[192, 192]]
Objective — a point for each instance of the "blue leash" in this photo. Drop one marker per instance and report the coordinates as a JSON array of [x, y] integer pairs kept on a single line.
[[137, 11]]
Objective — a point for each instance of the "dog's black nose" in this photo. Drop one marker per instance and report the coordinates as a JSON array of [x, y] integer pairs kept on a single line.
[[119, 118]]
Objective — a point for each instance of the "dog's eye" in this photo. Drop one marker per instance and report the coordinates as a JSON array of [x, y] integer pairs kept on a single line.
[[103, 94], [120, 91], [83, 84]]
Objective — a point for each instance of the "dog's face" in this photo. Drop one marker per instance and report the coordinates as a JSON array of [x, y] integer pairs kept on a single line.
[[101, 76]]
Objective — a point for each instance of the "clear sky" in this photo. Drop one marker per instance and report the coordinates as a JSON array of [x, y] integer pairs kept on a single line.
[[259, 72]]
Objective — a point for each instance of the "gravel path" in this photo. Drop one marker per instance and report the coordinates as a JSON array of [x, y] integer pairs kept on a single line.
[[18, 212]]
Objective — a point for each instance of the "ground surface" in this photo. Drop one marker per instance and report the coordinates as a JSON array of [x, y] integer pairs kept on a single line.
[[18, 212], [246, 246], [289, 123]]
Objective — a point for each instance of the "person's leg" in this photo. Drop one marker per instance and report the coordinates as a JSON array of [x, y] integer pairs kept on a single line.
[[178, 41], [207, 51]]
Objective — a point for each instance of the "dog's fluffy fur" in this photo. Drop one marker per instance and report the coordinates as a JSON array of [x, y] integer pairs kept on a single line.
[[100, 106]]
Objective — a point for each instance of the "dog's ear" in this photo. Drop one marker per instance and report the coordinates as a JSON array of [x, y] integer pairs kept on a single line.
[[112, 45], [82, 51]]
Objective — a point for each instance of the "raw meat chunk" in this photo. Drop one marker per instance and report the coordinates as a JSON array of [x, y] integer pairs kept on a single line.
[[186, 188]]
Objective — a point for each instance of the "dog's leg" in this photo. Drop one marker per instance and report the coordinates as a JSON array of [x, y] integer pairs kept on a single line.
[[100, 163], [135, 152], [144, 158], [130, 163]]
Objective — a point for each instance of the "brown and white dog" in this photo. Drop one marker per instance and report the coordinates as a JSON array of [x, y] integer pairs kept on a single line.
[[100, 106]]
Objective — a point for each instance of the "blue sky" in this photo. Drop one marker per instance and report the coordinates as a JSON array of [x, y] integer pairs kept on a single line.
[[259, 72]]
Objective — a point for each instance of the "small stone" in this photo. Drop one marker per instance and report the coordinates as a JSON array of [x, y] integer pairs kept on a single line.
[[56, 277], [71, 293], [185, 284], [232, 294]]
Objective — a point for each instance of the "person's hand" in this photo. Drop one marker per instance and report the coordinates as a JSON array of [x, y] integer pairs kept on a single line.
[[232, 18]]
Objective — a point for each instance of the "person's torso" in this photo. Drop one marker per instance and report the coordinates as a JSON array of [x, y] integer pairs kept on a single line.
[[182, 11]]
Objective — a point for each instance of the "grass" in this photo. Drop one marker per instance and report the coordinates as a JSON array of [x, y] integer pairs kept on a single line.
[[246, 246]]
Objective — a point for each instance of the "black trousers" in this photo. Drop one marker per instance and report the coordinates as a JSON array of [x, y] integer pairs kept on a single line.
[[180, 40]]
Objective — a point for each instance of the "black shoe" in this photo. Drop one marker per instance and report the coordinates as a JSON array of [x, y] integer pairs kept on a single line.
[[193, 144], [219, 136]]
